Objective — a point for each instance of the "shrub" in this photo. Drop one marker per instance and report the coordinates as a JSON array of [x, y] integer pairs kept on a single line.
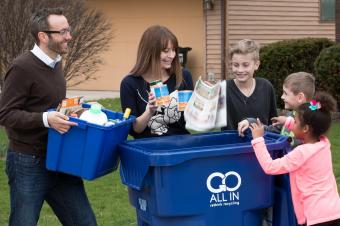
[[327, 71], [282, 58]]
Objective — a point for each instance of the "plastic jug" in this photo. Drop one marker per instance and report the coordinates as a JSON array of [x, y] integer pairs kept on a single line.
[[94, 115]]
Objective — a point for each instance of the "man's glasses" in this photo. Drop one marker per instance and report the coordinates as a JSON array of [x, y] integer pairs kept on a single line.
[[62, 32]]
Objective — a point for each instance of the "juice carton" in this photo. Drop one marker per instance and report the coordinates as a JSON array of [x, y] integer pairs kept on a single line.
[[161, 92]]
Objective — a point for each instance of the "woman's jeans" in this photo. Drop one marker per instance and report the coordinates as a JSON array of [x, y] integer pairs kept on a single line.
[[31, 183]]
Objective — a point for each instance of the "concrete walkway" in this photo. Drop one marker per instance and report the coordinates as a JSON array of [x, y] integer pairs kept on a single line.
[[92, 95]]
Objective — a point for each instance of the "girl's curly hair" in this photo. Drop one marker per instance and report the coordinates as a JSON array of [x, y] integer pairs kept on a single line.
[[319, 119]]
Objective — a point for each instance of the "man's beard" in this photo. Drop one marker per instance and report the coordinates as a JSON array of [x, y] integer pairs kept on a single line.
[[56, 47]]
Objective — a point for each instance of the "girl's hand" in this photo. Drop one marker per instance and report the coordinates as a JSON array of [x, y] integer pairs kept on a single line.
[[151, 107], [257, 129], [242, 126], [280, 120]]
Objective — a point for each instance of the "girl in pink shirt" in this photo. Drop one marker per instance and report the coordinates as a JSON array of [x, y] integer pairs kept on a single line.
[[314, 191]]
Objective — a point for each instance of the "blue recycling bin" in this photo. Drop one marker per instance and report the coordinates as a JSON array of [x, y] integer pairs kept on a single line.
[[283, 210], [211, 179], [87, 150]]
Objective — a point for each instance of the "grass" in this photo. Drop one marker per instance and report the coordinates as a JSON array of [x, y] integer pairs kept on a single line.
[[107, 195], [3, 142], [334, 136]]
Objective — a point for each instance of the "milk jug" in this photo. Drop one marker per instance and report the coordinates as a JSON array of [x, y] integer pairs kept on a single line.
[[94, 115]]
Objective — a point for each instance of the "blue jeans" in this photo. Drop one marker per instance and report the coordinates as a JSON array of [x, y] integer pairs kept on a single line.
[[31, 184]]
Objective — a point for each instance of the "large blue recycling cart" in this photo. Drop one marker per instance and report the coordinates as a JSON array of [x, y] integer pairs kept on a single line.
[[87, 150], [283, 210], [211, 179]]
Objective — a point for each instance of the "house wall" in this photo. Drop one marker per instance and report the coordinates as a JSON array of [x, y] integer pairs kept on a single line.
[[337, 24], [275, 20], [214, 42], [262, 20], [209, 32], [130, 18], [270, 21]]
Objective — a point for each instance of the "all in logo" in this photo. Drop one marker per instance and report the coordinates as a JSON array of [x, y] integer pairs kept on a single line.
[[224, 188]]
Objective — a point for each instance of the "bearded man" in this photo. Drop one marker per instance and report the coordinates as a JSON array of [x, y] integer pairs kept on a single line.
[[34, 84]]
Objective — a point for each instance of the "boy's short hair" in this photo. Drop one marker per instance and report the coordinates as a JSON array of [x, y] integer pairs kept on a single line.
[[301, 82], [245, 46]]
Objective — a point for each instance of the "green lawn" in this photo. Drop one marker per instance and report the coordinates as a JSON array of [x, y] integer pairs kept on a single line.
[[107, 195], [334, 136], [3, 142]]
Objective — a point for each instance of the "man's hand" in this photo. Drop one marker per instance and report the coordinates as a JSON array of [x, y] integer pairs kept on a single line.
[[59, 121], [257, 129]]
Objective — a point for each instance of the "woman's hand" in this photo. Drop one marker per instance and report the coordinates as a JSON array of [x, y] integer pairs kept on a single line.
[[151, 107], [257, 129], [142, 121]]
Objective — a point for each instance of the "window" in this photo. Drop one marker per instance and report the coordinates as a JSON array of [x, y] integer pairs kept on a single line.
[[327, 10]]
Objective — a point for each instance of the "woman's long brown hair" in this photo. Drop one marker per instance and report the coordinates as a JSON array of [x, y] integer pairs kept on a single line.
[[154, 40]]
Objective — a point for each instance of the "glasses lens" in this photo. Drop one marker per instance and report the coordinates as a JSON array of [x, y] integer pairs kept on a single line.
[[66, 31]]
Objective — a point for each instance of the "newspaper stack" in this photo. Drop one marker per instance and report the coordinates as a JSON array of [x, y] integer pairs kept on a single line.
[[206, 108]]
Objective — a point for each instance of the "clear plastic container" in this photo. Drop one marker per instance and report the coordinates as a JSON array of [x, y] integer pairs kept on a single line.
[[94, 115]]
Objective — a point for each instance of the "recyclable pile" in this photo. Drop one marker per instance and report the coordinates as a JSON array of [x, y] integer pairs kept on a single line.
[[73, 107]]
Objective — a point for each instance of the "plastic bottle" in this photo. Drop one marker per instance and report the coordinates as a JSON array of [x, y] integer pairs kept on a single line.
[[94, 115], [211, 77], [126, 113]]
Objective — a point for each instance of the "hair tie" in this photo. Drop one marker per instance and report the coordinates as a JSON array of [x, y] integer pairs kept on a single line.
[[314, 105]]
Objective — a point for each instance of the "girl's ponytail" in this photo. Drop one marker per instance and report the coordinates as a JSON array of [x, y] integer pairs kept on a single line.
[[317, 113]]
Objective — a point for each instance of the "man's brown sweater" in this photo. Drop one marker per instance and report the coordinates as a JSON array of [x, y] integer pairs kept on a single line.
[[30, 88]]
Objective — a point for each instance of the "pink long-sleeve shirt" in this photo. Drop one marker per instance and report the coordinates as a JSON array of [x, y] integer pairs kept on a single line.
[[313, 185]]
